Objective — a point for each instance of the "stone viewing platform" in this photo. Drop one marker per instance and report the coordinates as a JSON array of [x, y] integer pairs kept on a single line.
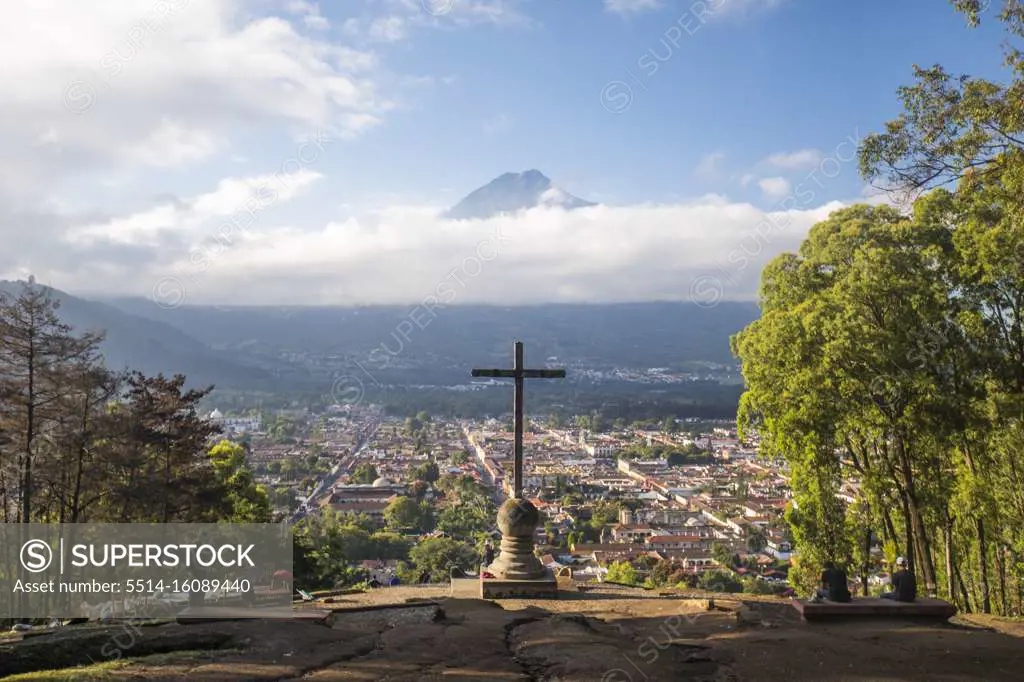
[[922, 609], [414, 633]]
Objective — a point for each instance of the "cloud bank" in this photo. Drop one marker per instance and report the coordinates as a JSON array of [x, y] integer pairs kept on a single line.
[[228, 246]]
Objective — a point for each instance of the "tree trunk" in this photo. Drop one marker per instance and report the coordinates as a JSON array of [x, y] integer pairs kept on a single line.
[[908, 528], [26, 483], [1001, 567], [979, 528], [963, 589], [867, 562], [986, 600], [947, 536], [926, 569]]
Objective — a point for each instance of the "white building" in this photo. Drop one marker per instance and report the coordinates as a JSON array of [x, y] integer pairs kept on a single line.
[[781, 550], [235, 425]]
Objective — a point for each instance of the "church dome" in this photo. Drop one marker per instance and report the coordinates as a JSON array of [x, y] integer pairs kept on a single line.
[[382, 482], [216, 414]]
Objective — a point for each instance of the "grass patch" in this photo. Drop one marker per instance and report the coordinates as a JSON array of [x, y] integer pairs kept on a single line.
[[86, 673], [108, 670]]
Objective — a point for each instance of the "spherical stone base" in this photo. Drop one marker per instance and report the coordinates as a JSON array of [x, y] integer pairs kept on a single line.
[[517, 520], [518, 517]]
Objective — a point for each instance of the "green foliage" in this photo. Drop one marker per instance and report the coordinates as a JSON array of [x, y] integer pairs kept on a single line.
[[622, 573], [757, 540], [752, 585], [436, 556], [405, 514], [470, 514], [721, 553], [427, 472], [327, 545], [282, 429], [604, 513], [244, 501], [890, 349], [805, 574], [719, 581], [688, 454], [364, 473]]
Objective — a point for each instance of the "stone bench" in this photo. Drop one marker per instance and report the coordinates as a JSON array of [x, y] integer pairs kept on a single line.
[[921, 609]]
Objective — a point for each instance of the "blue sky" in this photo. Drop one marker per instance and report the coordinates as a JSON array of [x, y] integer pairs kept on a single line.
[[140, 133], [756, 82]]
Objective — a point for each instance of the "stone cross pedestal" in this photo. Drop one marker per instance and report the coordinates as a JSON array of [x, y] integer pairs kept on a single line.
[[518, 572], [517, 521]]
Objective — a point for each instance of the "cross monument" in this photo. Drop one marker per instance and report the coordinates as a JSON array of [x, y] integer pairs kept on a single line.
[[518, 518]]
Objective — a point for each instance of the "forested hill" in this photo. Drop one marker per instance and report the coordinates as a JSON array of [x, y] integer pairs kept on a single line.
[[634, 334], [148, 345]]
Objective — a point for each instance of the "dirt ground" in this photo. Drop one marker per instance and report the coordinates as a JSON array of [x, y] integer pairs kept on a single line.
[[606, 634]]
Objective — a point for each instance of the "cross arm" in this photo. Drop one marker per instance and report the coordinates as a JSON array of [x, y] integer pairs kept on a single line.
[[505, 373], [544, 373]]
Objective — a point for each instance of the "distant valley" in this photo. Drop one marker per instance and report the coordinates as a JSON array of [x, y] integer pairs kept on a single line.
[[659, 350]]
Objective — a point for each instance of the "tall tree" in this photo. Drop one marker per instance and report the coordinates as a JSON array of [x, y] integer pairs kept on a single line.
[[159, 462], [38, 353]]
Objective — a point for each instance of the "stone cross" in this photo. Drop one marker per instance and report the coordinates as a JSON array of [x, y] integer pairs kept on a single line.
[[519, 373], [518, 518]]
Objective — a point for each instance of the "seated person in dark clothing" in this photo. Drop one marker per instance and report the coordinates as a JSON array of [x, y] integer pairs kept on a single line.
[[904, 584], [833, 585]]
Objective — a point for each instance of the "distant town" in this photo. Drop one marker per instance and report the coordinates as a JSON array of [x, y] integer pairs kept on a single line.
[[646, 502]]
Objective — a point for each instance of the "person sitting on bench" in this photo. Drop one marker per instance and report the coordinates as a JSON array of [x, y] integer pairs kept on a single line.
[[904, 585], [833, 585]]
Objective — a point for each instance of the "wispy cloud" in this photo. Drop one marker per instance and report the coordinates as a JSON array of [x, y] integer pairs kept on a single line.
[[710, 9], [710, 167], [631, 6], [798, 160], [774, 188]]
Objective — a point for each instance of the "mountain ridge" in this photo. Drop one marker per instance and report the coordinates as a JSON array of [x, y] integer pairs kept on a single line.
[[643, 333], [139, 342]]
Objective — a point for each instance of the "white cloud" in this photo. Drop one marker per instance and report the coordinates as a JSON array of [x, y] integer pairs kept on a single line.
[[310, 13], [316, 21], [746, 179], [743, 7], [499, 12], [631, 6], [802, 159], [399, 254], [190, 222], [115, 95], [774, 188], [710, 166], [120, 85], [711, 9], [171, 144], [440, 13], [388, 29]]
